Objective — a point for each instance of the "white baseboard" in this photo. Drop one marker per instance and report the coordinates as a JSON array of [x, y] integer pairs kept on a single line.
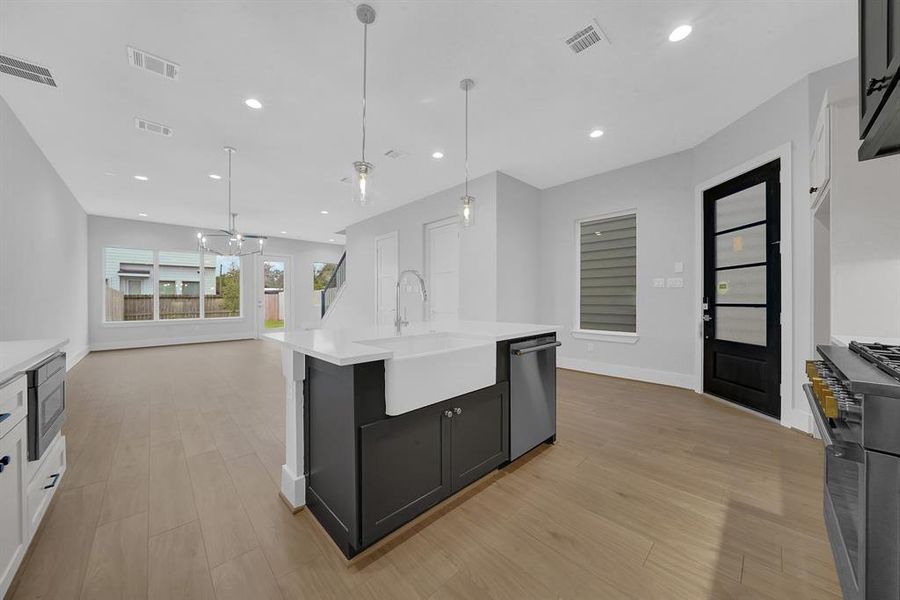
[[73, 358], [293, 488], [171, 341], [627, 372]]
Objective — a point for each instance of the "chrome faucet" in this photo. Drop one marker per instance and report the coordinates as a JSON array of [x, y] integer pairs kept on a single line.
[[398, 321]]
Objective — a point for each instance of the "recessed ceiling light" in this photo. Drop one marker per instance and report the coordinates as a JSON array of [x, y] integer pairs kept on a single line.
[[437, 154], [324, 212], [330, 239], [141, 177], [253, 103], [596, 133], [110, 173], [680, 32], [214, 176], [142, 214], [283, 232]]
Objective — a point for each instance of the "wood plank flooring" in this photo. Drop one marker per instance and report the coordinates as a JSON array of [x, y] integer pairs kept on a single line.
[[651, 492]]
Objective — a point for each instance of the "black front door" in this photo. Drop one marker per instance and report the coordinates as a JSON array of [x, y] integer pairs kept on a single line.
[[742, 290]]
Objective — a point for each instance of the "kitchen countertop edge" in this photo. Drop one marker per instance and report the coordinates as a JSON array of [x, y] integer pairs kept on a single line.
[[18, 355]]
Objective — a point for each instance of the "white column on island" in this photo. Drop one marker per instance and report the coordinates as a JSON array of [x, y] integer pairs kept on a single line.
[[293, 480]]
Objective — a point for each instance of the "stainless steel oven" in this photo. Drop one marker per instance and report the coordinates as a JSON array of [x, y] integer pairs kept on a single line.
[[856, 407], [46, 403]]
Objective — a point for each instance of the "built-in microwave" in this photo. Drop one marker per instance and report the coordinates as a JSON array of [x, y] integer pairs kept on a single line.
[[46, 403]]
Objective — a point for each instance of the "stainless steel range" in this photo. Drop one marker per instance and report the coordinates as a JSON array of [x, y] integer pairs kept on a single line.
[[854, 394]]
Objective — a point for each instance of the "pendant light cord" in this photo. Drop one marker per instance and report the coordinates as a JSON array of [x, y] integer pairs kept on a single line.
[[365, 61], [230, 218], [467, 141]]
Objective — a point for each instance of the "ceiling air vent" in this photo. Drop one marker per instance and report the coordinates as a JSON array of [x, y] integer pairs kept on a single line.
[[396, 154], [148, 62], [151, 127], [26, 70], [583, 39]]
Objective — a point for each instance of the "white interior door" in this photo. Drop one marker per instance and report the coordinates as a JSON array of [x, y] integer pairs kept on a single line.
[[386, 272], [442, 264]]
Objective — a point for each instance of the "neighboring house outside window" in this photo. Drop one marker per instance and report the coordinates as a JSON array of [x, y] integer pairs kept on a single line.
[[607, 274]]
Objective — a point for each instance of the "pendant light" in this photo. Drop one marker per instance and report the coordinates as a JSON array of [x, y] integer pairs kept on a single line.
[[362, 170], [467, 206], [229, 241]]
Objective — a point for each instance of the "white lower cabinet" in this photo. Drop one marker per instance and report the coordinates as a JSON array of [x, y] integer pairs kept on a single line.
[[14, 527], [45, 482]]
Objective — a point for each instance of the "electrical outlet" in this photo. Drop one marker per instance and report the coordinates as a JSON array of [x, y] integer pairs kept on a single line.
[[675, 282], [679, 267], [659, 282]]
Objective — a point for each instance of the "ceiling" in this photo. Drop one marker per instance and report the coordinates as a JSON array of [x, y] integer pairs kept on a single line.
[[533, 106]]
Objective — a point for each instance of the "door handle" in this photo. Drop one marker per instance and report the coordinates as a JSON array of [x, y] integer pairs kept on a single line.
[[707, 318]]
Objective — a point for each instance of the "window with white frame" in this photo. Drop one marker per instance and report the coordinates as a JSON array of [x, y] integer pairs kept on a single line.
[[607, 269], [159, 285]]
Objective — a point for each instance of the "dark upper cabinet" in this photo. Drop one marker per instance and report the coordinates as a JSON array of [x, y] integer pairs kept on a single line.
[[879, 78]]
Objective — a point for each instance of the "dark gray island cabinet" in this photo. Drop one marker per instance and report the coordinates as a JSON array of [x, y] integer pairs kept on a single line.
[[368, 473]]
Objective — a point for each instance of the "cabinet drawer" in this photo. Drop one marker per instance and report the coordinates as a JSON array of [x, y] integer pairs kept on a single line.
[[13, 527], [13, 403], [45, 481]]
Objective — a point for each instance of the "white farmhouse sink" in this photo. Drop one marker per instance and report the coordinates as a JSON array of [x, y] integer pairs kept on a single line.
[[429, 368]]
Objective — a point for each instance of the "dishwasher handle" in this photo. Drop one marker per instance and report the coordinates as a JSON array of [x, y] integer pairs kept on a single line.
[[530, 349]]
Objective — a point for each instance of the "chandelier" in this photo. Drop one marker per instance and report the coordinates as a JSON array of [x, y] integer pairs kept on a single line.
[[230, 241]]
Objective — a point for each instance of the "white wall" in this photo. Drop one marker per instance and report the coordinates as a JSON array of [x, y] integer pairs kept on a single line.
[[519, 279], [478, 254], [661, 191], [43, 246], [109, 232], [865, 235]]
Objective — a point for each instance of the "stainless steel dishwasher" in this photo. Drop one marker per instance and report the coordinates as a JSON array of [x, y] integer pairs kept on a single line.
[[532, 394]]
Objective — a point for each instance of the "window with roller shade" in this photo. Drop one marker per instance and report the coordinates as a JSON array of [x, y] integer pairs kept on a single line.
[[608, 274]]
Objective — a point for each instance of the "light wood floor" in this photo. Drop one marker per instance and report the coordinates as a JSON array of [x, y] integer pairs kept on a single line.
[[651, 492]]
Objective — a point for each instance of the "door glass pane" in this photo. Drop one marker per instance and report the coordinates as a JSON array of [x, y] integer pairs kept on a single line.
[[741, 247], [273, 300], [128, 275], [741, 286], [741, 324], [741, 208], [223, 294], [179, 285]]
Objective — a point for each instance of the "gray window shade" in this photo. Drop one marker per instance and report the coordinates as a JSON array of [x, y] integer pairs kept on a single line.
[[609, 274]]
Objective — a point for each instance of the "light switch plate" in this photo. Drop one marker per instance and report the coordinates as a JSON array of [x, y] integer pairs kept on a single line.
[[675, 282], [679, 267], [659, 282]]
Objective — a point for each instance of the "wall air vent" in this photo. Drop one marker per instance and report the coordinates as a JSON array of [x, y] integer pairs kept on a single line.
[[396, 154], [583, 39], [148, 62], [151, 127], [26, 70]]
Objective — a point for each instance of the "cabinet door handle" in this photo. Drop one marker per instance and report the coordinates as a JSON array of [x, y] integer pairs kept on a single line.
[[457, 410], [448, 414], [813, 190], [55, 478], [3, 463], [876, 84]]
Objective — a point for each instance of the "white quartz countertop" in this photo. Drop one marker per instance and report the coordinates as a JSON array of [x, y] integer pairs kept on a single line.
[[844, 340], [19, 355], [343, 347]]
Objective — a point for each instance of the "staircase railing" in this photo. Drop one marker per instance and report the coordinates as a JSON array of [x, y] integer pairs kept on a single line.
[[331, 289]]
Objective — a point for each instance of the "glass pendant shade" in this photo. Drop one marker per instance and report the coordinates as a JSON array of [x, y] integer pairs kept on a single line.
[[467, 211], [361, 182]]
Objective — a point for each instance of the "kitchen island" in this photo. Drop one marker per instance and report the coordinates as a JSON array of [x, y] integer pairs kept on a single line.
[[380, 426]]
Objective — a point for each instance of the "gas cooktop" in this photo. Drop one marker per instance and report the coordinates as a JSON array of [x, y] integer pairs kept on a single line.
[[886, 358]]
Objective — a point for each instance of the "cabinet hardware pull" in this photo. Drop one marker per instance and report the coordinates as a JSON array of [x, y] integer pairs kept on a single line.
[[877, 84], [4, 416], [4, 462], [457, 410], [448, 414], [55, 478], [813, 190], [530, 349]]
